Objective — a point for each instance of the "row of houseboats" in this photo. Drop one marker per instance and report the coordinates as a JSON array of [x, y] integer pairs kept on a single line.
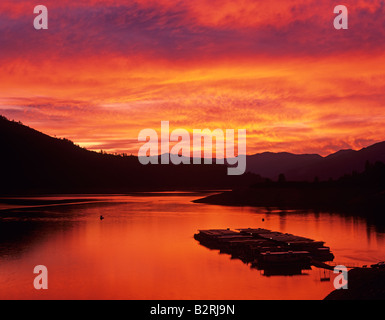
[[265, 249]]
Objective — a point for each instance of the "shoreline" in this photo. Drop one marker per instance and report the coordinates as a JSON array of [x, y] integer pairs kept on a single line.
[[363, 284], [20, 202], [351, 200]]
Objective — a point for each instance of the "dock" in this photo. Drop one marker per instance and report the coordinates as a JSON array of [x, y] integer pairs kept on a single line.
[[271, 251]]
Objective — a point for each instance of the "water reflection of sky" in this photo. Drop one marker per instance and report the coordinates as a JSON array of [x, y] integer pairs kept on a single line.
[[144, 249]]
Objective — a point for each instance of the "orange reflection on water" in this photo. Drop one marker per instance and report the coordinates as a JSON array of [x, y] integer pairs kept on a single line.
[[144, 249]]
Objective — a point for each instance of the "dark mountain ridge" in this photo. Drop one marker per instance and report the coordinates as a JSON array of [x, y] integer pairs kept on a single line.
[[33, 162], [306, 167]]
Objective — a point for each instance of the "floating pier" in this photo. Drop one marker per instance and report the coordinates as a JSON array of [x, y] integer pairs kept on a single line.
[[274, 252]]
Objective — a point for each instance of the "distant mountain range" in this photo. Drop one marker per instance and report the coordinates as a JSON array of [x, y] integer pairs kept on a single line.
[[301, 167], [33, 162]]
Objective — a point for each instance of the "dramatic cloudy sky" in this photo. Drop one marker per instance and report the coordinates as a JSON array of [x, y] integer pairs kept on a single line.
[[106, 69]]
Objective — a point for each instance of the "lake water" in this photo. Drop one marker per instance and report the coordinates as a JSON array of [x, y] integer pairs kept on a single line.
[[144, 249]]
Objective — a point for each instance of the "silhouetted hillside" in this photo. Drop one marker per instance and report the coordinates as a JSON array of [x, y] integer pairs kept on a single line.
[[359, 192], [307, 167], [32, 162]]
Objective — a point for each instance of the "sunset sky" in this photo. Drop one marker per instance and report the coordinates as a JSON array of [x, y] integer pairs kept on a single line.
[[104, 70]]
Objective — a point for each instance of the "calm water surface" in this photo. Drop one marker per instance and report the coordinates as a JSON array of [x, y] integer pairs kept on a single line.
[[144, 249]]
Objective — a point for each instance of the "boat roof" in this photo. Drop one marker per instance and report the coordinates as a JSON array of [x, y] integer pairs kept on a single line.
[[285, 252]]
